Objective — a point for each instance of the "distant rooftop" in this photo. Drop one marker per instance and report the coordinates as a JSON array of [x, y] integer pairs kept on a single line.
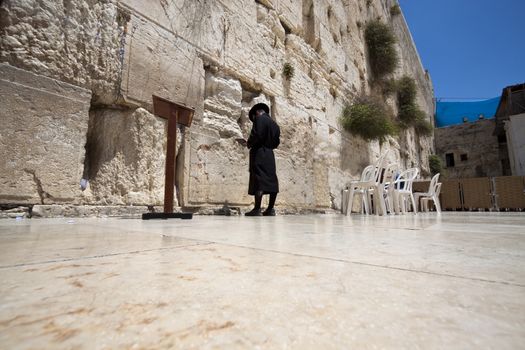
[[452, 113], [512, 103]]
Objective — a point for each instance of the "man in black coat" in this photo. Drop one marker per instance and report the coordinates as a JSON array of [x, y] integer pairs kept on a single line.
[[264, 137]]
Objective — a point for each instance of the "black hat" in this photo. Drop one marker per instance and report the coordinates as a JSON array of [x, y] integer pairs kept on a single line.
[[255, 108]]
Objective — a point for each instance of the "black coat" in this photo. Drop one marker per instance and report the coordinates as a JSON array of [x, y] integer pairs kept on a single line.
[[263, 175]]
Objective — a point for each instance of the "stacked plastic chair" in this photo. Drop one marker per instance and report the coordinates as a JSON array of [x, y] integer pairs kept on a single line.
[[369, 184], [401, 191]]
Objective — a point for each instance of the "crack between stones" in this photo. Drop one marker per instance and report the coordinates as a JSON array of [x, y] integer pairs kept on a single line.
[[203, 243], [363, 263], [41, 193]]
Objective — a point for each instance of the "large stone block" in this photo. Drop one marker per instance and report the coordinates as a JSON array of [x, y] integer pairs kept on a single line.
[[157, 62], [200, 23], [42, 138], [296, 181], [218, 171], [75, 41], [223, 95], [126, 153], [254, 53], [290, 14]]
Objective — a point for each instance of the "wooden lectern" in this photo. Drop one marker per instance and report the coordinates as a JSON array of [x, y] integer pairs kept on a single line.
[[174, 113]]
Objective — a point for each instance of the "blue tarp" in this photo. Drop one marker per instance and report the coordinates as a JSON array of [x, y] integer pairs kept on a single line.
[[450, 113]]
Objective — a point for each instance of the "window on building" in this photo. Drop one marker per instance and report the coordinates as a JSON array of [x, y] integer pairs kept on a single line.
[[449, 157], [463, 157]]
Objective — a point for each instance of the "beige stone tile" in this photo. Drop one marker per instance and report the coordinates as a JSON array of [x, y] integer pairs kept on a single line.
[[300, 282]]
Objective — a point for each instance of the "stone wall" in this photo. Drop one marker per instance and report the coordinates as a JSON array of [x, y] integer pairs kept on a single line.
[[475, 141], [219, 57], [42, 137]]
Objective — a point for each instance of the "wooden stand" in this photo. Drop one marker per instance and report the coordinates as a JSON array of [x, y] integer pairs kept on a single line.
[[174, 113]]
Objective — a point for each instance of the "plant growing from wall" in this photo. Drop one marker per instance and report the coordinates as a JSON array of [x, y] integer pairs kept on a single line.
[[423, 127], [435, 164], [369, 118], [382, 54], [388, 86], [288, 71], [395, 10], [409, 112]]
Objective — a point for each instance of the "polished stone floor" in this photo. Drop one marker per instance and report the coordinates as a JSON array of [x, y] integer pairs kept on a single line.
[[299, 282]]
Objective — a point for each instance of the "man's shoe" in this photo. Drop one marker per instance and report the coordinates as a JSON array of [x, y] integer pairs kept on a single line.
[[270, 212], [253, 212]]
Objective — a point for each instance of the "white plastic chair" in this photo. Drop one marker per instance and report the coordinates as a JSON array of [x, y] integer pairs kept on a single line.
[[431, 193], [402, 190], [356, 187], [385, 183], [425, 200], [375, 186], [371, 181]]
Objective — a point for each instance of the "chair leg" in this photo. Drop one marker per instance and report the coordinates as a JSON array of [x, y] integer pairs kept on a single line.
[[437, 204], [418, 199], [402, 204], [413, 203], [366, 205], [395, 199], [350, 201], [362, 208], [381, 200], [424, 204]]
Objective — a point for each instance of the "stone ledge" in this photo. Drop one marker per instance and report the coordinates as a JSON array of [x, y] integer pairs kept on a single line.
[[78, 211], [19, 212], [86, 211]]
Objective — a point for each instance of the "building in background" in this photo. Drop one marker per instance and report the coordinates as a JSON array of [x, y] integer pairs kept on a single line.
[[465, 139], [510, 129], [483, 138]]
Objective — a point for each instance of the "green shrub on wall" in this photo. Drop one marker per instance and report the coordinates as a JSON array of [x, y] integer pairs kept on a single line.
[[382, 54], [435, 164], [409, 112], [406, 90], [423, 127], [388, 86], [369, 118], [288, 71], [395, 10]]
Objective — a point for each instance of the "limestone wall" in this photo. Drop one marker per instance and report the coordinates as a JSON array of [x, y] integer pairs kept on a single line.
[[42, 136], [219, 57]]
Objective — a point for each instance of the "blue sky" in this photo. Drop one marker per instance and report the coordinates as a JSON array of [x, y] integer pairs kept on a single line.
[[472, 48]]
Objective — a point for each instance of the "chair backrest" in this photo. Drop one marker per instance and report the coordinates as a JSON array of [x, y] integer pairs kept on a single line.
[[412, 175], [380, 167], [433, 183], [382, 158], [438, 189], [405, 179], [389, 173], [368, 173]]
